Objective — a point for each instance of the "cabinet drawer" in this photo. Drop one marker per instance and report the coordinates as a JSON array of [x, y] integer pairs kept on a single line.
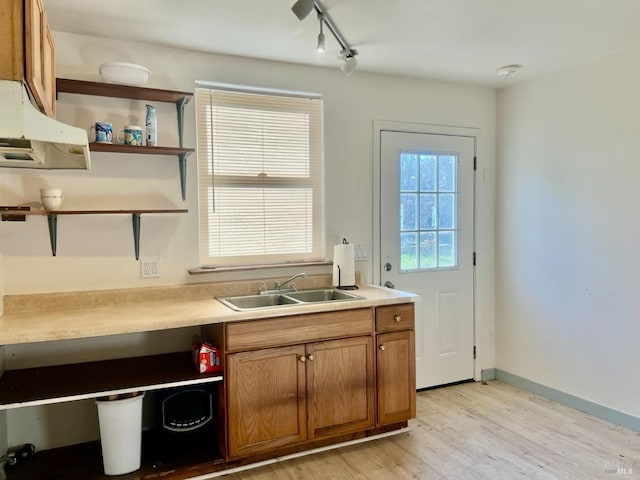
[[393, 318], [314, 327]]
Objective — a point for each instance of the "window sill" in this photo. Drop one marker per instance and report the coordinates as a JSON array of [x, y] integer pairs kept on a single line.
[[246, 268]]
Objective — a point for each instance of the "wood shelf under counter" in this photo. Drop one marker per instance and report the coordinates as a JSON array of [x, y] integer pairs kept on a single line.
[[63, 383], [84, 461]]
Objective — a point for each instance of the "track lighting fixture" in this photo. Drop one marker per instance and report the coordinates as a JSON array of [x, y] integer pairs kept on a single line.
[[302, 8], [350, 62], [320, 47]]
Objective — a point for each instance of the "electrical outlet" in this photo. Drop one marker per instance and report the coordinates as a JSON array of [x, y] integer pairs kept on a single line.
[[150, 267]]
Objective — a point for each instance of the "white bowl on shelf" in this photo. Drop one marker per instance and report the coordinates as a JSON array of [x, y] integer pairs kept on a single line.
[[124, 73]]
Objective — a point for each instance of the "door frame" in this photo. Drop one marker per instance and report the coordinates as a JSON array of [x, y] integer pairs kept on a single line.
[[380, 126]]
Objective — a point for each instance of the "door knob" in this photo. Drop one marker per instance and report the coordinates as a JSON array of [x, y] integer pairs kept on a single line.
[[387, 267], [388, 284], [302, 359], [310, 358], [397, 318], [382, 347]]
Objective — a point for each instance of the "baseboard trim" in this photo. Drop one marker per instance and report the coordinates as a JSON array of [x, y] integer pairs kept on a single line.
[[302, 453], [487, 374], [595, 409]]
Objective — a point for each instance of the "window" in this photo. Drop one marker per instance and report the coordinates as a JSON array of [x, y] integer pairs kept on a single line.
[[260, 166], [428, 211]]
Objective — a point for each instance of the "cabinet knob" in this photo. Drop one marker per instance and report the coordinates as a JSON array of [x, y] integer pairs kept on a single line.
[[397, 318], [310, 357], [303, 359], [382, 347]]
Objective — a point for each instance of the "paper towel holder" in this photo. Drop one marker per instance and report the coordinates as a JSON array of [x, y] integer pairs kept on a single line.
[[340, 286], [344, 287]]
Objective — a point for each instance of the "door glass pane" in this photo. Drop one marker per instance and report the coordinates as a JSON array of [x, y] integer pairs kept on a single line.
[[446, 249], [428, 173], [408, 251], [408, 172], [446, 173], [446, 215], [428, 250], [428, 210], [408, 211]]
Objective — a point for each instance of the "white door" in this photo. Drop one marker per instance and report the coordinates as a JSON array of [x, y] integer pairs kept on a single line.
[[426, 245]]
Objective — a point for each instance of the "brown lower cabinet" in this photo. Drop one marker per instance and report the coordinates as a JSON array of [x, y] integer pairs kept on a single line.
[[340, 387], [287, 395], [396, 367], [266, 400], [318, 388], [395, 363]]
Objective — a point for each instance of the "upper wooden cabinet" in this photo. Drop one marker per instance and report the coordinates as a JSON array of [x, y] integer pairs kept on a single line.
[[28, 51]]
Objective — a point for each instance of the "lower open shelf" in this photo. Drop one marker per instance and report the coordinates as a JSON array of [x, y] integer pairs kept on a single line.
[[64, 383], [84, 462]]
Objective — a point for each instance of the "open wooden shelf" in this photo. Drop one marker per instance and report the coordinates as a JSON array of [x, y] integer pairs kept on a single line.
[[64, 383], [138, 149], [84, 462], [112, 212], [20, 213], [82, 87]]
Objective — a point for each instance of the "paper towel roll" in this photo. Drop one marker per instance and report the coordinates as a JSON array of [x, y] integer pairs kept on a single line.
[[344, 257]]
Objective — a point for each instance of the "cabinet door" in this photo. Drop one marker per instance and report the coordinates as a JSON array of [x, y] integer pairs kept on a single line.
[[396, 368], [39, 59], [48, 72], [266, 399], [340, 386]]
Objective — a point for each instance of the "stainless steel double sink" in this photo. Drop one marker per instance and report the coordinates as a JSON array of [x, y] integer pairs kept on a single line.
[[300, 297]]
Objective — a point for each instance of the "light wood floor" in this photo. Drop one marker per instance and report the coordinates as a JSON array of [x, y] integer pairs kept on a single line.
[[476, 432]]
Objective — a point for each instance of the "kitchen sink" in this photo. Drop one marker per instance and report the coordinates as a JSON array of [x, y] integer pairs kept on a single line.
[[248, 302], [324, 295], [299, 297]]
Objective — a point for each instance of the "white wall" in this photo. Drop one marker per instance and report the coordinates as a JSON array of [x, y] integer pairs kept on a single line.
[[97, 252], [568, 190]]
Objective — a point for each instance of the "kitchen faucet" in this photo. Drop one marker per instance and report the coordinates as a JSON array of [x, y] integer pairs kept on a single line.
[[262, 286], [280, 285]]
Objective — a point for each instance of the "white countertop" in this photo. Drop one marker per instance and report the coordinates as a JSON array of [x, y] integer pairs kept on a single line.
[[147, 316]]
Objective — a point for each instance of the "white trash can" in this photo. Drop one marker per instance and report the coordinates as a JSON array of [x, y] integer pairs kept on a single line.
[[120, 433]]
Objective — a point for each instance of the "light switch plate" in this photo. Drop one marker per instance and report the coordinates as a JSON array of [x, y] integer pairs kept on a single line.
[[361, 253]]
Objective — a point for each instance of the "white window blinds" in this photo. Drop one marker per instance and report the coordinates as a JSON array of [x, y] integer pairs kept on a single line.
[[260, 178]]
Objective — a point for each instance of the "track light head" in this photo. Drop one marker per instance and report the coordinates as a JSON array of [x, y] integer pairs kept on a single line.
[[320, 46], [302, 8], [350, 61]]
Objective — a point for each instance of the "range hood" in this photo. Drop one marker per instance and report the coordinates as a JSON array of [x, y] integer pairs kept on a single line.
[[30, 139]]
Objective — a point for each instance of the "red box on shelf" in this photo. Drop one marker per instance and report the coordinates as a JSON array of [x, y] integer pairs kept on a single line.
[[206, 357]]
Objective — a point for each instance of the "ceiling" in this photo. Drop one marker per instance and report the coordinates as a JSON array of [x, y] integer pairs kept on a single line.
[[453, 40]]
